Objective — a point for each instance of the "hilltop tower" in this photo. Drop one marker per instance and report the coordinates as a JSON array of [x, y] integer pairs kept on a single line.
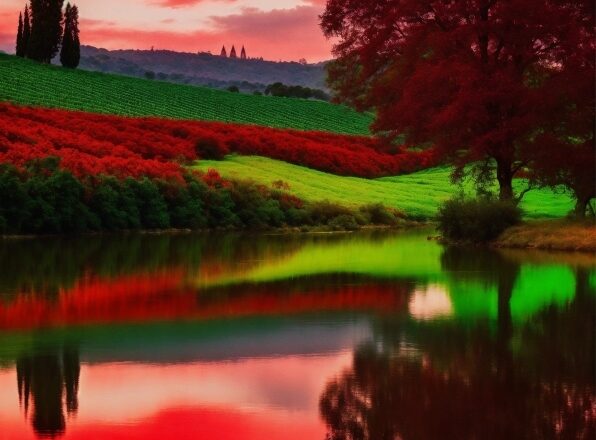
[[223, 53], [243, 54], [233, 53]]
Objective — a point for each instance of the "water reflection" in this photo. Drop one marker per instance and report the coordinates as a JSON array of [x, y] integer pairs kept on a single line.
[[356, 336], [45, 379], [530, 380]]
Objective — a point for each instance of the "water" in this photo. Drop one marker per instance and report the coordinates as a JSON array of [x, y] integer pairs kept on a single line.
[[349, 336]]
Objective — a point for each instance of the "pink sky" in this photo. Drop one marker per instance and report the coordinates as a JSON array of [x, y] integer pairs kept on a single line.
[[273, 29]]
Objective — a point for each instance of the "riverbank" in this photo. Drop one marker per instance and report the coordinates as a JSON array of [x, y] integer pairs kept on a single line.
[[560, 235], [287, 230]]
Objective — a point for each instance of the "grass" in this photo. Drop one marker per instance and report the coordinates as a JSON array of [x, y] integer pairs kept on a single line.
[[30, 83], [417, 194], [554, 235]]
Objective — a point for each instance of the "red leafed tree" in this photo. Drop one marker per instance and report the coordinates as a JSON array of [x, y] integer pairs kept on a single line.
[[567, 151], [469, 77]]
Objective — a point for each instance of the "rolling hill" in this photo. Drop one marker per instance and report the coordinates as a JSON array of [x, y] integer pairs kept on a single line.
[[29, 83], [417, 194], [202, 68]]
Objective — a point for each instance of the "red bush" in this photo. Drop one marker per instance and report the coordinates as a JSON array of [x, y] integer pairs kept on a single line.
[[91, 144]]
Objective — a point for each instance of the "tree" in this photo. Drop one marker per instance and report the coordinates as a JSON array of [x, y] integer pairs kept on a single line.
[[70, 55], [46, 30], [26, 30], [223, 53], [19, 45], [243, 53], [567, 152], [464, 76], [233, 53]]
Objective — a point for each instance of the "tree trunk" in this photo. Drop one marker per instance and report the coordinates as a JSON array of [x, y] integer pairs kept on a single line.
[[505, 179], [581, 205]]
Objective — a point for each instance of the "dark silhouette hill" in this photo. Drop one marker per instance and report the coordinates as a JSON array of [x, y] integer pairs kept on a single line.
[[203, 68]]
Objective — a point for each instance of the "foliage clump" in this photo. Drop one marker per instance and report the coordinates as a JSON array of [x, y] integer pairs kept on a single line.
[[476, 220], [43, 198]]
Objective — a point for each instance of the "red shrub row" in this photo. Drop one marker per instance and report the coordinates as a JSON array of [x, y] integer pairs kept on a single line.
[[92, 144]]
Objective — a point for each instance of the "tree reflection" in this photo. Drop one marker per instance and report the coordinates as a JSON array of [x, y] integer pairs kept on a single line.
[[528, 380], [46, 379]]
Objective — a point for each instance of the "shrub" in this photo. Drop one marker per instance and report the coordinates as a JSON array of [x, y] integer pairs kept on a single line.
[[211, 148], [377, 214], [152, 206], [344, 222], [115, 205], [323, 212], [476, 220]]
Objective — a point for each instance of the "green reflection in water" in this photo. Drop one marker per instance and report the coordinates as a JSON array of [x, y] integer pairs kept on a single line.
[[397, 256], [411, 257], [535, 288]]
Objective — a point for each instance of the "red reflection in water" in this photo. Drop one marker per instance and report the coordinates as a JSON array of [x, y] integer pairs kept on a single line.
[[274, 398], [166, 296]]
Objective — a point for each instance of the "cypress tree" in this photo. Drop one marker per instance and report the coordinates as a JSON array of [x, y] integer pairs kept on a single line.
[[76, 42], [26, 30], [233, 53], [46, 29], [67, 41], [70, 54], [19, 48]]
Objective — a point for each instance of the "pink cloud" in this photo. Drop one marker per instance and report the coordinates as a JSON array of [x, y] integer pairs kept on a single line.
[[279, 34], [183, 3], [8, 29]]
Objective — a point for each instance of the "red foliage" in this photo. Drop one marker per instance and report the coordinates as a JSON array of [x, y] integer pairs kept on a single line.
[[91, 144], [214, 180], [470, 76]]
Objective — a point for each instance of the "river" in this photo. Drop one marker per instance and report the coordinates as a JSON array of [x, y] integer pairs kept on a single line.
[[373, 335]]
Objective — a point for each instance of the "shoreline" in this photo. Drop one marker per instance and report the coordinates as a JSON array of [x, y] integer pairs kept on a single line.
[[174, 231], [550, 235], [554, 235]]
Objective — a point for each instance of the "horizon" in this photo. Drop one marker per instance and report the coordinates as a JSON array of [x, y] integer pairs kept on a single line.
[[276, 30]]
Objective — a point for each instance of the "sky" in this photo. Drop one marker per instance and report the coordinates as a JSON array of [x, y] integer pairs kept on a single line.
[[285, 30]]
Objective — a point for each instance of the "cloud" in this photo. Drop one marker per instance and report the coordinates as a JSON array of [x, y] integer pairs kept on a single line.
[[8, 30], [280, 34], [184, 3], [287, 33], [283, 33]]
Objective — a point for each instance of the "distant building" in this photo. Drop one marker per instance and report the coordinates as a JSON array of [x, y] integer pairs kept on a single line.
[[224, 53], [233, 53], [243, 54]]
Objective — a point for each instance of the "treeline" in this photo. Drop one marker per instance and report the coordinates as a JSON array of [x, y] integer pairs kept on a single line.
[[42, 198], [44, 29], [280, 89]]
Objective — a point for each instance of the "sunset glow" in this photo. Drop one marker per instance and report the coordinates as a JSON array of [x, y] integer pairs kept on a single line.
[[275, 30], [276, 398]]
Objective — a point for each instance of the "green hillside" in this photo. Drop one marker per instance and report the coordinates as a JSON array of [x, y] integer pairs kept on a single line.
[[415, 194], [26, 82]]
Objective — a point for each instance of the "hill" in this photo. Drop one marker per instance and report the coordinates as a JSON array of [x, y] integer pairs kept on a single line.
[[29, 83], [203, 68], [416, 194]]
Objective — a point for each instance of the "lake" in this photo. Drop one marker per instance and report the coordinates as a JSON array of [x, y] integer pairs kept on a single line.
[[372, 335]]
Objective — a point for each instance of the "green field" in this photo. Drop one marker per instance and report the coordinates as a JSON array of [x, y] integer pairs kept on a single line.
[[27, 82], [415, 194]]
